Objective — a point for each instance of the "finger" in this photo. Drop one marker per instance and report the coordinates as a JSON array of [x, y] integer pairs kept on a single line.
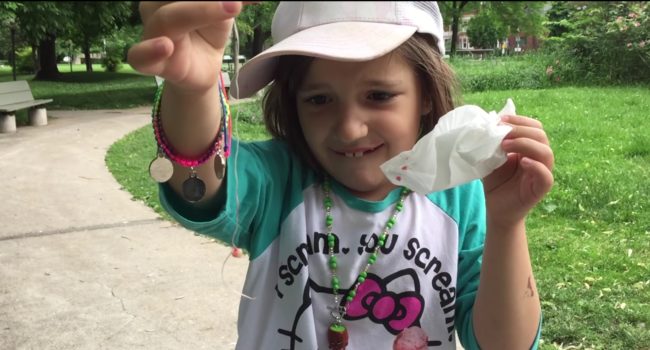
[[177, 19], [149, 56], [538, 178], [534, 133], [530, 148], [147, 8], [522, 121]]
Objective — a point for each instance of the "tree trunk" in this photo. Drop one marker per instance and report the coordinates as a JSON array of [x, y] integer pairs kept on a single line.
[[86, 48], [47, 59], [13, 51], [457, 13], [454, 35], [258, 41]]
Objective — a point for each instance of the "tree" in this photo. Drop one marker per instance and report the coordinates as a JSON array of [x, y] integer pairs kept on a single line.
[[509, 16], [452, 12], [95, 20], [254, 25], [482, 30], [8, 20], [41, 22], [557, 18], [518, 16], [603, 42]]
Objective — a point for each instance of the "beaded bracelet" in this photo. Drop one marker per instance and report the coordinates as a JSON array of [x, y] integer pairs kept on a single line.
[[161, 168]]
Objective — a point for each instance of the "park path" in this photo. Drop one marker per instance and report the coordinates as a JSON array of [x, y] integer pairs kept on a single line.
[[83, 266]]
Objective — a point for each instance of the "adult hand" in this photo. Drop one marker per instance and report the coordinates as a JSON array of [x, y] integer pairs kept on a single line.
[[513, 189], [184, 42]]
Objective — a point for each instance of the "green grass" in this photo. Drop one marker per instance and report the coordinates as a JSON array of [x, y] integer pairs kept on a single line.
[[97, 90], [590, 237]]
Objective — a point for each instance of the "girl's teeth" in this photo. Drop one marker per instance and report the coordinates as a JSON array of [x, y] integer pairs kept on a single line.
[[354, 154]]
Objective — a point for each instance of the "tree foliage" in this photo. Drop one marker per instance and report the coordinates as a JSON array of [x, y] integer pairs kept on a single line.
[[602, 42], [482, 30], [95, 20], [40, 23], [451, 13], [254, 26], [508, 17]]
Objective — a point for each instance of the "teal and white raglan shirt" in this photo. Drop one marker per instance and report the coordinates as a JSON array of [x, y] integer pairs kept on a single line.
[[426, 275]]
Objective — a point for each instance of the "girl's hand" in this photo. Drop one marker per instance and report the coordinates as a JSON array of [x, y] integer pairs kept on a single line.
[[513, 189], [184, 42]]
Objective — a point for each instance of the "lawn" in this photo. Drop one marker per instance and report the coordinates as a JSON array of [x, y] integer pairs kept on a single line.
[[97, 90], [589, 239]]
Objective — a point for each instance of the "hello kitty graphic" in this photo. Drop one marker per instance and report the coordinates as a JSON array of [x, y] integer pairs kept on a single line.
[[377, 300]]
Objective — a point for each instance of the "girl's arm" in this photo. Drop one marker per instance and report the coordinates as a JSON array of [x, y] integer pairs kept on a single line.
[[184, 43], [507, 308]]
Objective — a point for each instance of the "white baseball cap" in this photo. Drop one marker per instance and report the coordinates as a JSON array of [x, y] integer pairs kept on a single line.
[[338, 30]]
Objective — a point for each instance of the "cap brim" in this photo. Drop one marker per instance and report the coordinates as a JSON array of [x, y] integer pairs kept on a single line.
[[341, 41]]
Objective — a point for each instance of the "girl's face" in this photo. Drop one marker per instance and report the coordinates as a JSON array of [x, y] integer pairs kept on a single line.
[[357, 115]]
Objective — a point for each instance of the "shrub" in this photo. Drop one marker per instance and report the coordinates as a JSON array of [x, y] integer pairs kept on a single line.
[[602, 42], [501, 73], [25, 61]]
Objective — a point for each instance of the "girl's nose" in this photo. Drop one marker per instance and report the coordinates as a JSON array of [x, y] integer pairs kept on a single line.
[[352, 124]]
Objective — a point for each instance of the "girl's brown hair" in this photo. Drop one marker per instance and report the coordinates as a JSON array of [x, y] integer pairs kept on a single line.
[[437, 81]]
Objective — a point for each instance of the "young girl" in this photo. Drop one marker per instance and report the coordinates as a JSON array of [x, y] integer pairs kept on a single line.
[[339, 256]]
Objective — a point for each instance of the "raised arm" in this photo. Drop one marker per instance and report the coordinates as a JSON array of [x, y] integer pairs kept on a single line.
[[184, 43], [507, 308]]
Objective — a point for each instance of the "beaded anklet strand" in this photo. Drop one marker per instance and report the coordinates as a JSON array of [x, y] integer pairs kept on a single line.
[[161, 168], [337, 333]]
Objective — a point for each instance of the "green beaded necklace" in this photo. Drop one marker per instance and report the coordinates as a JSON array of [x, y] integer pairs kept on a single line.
[[337, 333]]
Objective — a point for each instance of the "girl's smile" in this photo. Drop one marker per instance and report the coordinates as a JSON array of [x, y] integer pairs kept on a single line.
[[355, 116]]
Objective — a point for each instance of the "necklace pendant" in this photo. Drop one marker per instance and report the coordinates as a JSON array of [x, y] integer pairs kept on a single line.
[[337, 336]]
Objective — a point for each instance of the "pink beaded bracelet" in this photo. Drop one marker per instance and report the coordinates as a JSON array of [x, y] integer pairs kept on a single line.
[[161, 168], [163, 143]]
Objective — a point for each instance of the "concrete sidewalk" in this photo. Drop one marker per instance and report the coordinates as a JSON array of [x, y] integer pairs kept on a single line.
[[82, 266]]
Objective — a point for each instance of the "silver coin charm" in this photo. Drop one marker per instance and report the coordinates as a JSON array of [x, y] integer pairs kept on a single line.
[[219, 165], [161, 169], [193, 188]]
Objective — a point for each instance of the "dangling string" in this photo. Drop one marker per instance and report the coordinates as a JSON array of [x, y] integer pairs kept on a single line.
[[227, 152]]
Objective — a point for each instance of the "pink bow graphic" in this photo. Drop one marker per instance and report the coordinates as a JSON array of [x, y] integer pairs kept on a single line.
[[395, 311]]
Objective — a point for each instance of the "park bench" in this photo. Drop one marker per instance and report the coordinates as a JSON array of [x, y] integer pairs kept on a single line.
[[14, 96]]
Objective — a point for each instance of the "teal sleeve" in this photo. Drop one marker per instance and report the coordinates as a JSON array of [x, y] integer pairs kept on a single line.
[[251, 203]]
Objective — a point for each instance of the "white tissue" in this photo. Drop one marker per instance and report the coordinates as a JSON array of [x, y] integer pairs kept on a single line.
[[464, 145]]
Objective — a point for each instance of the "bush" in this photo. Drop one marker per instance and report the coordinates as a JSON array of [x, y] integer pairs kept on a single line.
[[118, 44], [602, 42], [501, 73], [25, 61]]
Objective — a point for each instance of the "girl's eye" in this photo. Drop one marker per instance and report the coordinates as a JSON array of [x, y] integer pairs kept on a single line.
[[380, 96], [317, 100]]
